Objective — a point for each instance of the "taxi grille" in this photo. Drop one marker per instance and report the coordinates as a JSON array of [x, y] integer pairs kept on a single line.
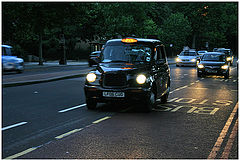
[[115, 80]]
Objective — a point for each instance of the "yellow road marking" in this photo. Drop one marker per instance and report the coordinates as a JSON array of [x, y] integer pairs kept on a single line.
[[222, 135], [102, 119], [21, 153], [68, 133]]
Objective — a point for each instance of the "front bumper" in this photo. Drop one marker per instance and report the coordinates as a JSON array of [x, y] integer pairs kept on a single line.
[[187, 63], [131, 94], [217, 71], [13, 66]]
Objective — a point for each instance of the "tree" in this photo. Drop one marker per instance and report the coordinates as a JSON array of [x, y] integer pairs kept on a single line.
[[175, 30]]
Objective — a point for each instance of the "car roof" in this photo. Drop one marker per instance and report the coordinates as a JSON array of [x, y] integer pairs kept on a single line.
[[6, 46]]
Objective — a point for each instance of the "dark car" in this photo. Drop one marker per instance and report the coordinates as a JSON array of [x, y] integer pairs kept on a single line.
[[94, 58], [228, 53], [130, 70], [213, 63]]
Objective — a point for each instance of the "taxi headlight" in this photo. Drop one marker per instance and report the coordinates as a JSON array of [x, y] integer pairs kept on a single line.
[[200, 66], [229, 58], [141, 79], [224, 67], [178, 60], [193, 60], [91, 77]]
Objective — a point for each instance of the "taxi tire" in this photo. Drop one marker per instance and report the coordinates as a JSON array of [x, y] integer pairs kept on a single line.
[[165, 96], [91, 104], [226, 76], [151, 102]]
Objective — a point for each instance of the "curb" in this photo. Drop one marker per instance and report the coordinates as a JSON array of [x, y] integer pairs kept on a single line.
[[13, 84], [42, 81]]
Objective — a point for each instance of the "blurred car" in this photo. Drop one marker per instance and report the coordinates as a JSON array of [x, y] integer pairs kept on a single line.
[[187, 57], [94, 58], [214, 63], [202, 52], [228, 53], [10, 62]]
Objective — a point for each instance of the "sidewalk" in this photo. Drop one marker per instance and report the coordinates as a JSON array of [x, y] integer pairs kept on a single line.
[[47, 77]]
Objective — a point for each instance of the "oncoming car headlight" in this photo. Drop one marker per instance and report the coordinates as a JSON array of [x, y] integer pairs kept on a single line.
[[141, 79], [178, 60], [224, 67], [229, 58], [91, 77], [193, 60], [200, 66]]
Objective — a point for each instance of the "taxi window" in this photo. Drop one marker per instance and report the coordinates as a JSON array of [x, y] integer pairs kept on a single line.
[[126, 53]]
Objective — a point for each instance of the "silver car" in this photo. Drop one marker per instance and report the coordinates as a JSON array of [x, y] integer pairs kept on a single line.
[[188, 58], [9, 62]]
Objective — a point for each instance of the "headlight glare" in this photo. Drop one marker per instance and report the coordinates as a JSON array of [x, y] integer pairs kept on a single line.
[[193, 60], [178, 60], [200, 66], [229, 58], [91, 77], [224, 67], [141, 79]]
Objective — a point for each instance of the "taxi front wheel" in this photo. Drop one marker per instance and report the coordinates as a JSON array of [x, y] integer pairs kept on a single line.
[[91, 104], [151, 102]]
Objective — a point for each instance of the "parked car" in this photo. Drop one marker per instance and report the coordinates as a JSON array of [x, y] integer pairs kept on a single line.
[[130, 70], [202, 52], [213, 63], [187, 57], [10, 62], [94, 58], [228, 53]]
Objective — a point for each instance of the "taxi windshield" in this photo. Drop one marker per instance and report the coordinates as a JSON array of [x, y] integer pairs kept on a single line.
[[188, 53], [213, 57], [130, 54]]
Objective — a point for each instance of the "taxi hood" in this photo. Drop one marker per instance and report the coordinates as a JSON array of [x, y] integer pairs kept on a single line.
[[122, 67]]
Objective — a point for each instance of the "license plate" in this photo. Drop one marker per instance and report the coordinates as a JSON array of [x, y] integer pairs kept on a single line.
[[211, 71], [113, 94]]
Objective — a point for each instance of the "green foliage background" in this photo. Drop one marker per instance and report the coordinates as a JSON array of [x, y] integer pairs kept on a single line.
[[181, 24]]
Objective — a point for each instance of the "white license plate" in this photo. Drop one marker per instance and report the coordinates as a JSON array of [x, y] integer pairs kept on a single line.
[[113, 94], [211, 71]]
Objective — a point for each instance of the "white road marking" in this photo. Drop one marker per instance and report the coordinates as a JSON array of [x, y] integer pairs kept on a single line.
[[233, 68], [12, 126], [71, 108]]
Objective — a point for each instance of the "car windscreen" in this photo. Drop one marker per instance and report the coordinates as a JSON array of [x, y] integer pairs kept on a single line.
[[126, 53], [213, 57], [187, 53], [6, 51]]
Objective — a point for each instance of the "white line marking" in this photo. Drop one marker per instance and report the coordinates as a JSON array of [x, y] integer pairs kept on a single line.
[[72, 108], [234, 68], [12, 126]]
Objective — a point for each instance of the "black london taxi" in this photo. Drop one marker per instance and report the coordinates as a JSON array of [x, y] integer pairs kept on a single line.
[[213, 63], [130, 70]]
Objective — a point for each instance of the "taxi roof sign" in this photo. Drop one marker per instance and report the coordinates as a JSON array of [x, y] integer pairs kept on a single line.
[[129, 40]]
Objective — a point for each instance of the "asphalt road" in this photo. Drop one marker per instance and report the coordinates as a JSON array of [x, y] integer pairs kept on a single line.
[[50, 121]]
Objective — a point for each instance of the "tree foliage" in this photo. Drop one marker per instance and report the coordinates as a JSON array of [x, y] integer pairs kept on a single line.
[[180, 24]]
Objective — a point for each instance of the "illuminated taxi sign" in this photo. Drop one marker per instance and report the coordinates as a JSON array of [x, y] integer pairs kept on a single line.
[[129, 40]]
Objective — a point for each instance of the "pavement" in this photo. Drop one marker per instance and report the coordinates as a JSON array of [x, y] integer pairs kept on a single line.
[[18, 80]]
